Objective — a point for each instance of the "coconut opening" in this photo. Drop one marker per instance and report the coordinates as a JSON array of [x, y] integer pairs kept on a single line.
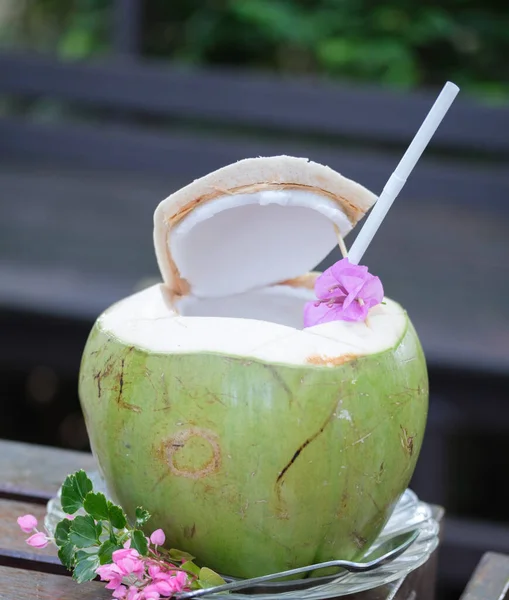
[[264, 324], [241, 242], [283, 305]]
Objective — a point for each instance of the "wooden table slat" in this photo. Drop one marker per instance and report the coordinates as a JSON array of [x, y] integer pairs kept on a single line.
[[490, 580], [21, 584], [34, 473]]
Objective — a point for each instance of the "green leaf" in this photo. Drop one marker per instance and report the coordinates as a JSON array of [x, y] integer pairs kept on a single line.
[[66, 554], [84, 532], [116, 516], [106, 551], [96, 506], [86, 564], [139, 542], [62, 532], [180, 555], [142, 516], [190, 567], [74, 490], [209, 578]]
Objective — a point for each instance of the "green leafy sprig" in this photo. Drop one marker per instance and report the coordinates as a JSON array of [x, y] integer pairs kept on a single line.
[[89, 540]]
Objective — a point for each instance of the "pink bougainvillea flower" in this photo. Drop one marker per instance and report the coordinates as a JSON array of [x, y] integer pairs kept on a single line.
[[128, 562], [345, 292], [158, 537], [179, 581], [112, 574], [133, 593], [154, 571], [151, 593], [38, 540], [125, 553], [27, 523], [119, 592]]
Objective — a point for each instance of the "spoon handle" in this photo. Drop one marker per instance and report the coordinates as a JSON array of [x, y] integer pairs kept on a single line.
[[393, 553], [243, 583]]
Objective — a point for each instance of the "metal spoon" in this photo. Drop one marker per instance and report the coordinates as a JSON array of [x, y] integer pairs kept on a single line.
[[386, 552]]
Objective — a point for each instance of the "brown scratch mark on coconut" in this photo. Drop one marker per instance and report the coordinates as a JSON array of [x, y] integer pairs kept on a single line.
[[359, 541], [108, 367], [305, 444], [121, 381], [330, 361], [215, 398], [407, 441], [97, 378], [190, 531], [120, 400], [343, 505], [132, 407], [170, 450], [275, 374], [375, 504]]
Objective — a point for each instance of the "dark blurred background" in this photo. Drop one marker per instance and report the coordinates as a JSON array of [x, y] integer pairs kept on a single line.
[[106, 107]]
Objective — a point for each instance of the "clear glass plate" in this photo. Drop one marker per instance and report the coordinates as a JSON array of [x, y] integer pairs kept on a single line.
[[409, 514]]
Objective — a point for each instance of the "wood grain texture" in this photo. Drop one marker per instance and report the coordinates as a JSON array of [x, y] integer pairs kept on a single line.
[[34, 473], [490, 580], [21, 584]]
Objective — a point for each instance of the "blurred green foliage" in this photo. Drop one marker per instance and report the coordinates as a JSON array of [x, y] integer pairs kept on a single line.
[[399, 43]]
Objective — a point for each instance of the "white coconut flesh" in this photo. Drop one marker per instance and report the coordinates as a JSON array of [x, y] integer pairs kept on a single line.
[[245, 241], [226, 242], [264, 324]]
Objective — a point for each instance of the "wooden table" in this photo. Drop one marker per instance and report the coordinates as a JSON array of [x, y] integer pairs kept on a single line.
[[31, 475]]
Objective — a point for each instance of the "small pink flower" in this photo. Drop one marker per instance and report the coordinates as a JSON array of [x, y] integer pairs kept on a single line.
[[112, 574], [171, 583], [128, 562], [27, 523], [125, 553], [345, 292], [180, 581], [38, 540], [119, 592], [158, 537], [154, 571], [133, 593], [70, 517], [151, 593]]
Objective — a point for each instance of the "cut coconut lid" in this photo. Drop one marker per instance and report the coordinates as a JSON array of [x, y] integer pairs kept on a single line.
[[254, 223]]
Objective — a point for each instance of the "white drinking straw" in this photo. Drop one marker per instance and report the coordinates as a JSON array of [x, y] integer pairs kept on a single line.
[[398, 179]]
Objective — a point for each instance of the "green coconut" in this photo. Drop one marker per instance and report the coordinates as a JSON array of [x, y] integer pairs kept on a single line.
[[255, 444]]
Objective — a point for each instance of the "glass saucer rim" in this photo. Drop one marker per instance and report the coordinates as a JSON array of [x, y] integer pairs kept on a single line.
[[408, 501]]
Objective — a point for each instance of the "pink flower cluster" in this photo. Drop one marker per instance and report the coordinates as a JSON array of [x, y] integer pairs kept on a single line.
[[28, 524], [133, 577], [345, 292], [130, 575]]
